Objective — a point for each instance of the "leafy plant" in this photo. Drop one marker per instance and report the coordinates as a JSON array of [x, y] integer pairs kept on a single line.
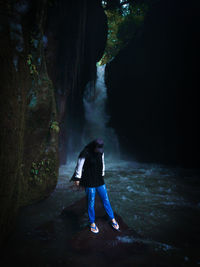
[[122, 26], [32, 67], [55, 126], [39, 170]]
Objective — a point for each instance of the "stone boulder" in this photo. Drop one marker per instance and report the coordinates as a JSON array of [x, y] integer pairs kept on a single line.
[[109, 246]]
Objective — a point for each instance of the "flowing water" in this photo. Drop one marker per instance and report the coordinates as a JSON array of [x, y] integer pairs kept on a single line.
[[162, 204], [96, 119], [96, 116], [158, 202]]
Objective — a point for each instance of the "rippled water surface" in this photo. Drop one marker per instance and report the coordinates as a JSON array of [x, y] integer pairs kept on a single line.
[[162, 204]]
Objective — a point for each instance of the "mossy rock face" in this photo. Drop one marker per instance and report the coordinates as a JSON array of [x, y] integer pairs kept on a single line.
[[42, 178], [27, 110], [40, 159], [41, 144]]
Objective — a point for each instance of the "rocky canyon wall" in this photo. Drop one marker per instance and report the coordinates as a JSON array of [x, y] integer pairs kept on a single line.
[[153, 84], [48, 53]]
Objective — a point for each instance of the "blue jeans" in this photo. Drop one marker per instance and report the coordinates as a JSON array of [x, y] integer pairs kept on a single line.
[[101, 190]]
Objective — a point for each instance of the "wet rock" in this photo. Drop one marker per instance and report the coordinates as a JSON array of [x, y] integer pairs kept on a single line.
[[46, 231], [28, 109], [67, 241], [109, 244]]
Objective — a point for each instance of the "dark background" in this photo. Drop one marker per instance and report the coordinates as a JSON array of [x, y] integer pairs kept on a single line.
[[153, 87]]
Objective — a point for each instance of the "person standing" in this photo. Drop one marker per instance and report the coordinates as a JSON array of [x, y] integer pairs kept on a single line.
[[89, 173]]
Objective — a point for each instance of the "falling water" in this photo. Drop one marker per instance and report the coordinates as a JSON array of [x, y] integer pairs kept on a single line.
[[96, 116]]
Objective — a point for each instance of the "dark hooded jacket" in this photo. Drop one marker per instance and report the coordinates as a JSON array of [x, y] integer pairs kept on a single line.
[[90, 167]]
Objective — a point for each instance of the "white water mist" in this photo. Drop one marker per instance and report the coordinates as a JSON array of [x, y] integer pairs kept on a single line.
[[95, 98]]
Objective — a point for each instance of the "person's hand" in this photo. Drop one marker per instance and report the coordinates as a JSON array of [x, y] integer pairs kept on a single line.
[[77, 183]]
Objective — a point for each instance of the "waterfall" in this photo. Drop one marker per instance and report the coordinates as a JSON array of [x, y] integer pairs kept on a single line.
[[95, 98]]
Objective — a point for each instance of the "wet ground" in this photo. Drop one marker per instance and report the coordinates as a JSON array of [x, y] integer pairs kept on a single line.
[[160, 205]]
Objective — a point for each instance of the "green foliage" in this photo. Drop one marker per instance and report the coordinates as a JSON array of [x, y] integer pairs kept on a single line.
[[122, 26], [32, 67], [40, 170], [55, 126]]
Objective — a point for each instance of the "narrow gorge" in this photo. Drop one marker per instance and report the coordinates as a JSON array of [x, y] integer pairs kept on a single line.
[[123, 71]]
